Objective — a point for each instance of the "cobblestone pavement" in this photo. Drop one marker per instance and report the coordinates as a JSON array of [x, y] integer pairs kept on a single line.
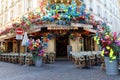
[[61, 70]]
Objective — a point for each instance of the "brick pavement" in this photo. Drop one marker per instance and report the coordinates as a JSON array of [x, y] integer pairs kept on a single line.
[[61, 70]]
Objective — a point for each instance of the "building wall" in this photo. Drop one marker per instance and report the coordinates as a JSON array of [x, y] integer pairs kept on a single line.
[[11, 10], [75, 45], [15, 47], [51, 45], [105, 10], [22, 48]]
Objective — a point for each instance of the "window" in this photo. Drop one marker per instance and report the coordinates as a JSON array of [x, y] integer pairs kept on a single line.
[[112, 9], [110, 19], [82, 0], [105, 15], [98, 10], [13, 3], [11, 14], [5, 18], [0, 10], [101, 1], [81, 42], [91, 5], [29, 4], [19, 9], [105, 2], [0, 21]]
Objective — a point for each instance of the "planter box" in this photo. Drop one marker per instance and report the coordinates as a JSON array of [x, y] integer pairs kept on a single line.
[[111, 67], [38, 62]]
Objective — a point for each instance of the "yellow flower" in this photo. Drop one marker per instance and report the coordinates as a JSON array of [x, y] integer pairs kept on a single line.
[[111, 53], [102, 53], [108, 47]]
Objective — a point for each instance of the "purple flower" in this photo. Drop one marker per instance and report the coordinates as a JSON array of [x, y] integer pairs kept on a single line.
[[41, 51], [117, 42]]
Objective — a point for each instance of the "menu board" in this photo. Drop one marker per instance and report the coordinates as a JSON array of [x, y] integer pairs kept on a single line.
[[69, 48]]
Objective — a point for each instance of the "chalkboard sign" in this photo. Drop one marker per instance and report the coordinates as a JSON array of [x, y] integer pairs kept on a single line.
[[69, 48]]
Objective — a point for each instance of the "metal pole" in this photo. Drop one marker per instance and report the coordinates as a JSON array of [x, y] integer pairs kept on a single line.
[[25, 56], [18, 46]]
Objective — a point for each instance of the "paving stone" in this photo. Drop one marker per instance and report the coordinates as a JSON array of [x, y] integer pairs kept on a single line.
[[61, 70]]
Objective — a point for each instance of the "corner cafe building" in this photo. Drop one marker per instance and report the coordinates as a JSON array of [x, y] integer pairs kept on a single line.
[[58, 26]]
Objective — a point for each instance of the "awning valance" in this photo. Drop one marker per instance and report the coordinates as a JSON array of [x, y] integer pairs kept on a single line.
[[7, 36]]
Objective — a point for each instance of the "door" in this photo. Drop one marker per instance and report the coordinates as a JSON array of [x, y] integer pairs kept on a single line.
[[61, 46], [10, 47]]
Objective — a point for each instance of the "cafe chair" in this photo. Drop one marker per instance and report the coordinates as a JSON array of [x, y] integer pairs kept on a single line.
[[51, 57], [81, 62]]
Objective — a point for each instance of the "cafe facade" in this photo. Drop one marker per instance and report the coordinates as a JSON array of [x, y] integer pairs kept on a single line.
[[59, 25]]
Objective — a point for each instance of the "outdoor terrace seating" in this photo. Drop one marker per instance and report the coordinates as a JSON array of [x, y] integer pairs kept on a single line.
[[49, 57], [86, 58], [26, 59], [13, 58]]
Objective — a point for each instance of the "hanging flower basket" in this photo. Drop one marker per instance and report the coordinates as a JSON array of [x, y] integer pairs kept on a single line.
[[73, 37]]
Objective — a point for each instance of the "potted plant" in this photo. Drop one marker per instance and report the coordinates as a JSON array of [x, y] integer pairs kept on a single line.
[[37, 51], [110, 45], [2, 49]]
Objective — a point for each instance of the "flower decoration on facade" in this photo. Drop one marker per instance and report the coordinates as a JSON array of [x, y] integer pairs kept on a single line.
[[73, 36], [7, 31], [16, 24], [108, 41], [60, 14], [25, 23]]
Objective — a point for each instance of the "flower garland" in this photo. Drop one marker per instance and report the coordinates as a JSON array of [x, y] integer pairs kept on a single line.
[[59, 14]]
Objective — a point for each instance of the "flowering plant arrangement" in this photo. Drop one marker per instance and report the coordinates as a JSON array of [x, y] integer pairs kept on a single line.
[[2, 49], [36, 48], [108, 41]]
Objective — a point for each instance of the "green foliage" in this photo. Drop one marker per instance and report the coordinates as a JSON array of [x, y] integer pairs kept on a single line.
[[115, 48]]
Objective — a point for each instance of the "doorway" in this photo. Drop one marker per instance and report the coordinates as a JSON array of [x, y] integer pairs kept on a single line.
[[10, 47], [61, 47]]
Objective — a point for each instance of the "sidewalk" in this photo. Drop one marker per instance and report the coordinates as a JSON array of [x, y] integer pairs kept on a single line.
[[61, 70]]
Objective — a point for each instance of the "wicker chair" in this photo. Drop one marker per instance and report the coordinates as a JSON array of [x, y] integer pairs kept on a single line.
[[29, 61], [51, 57], [92, 59], [0, 57], [81, 61], [45, 60], [21, 60]]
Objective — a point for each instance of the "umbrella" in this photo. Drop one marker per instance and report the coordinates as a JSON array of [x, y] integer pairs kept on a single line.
[[24, 43], [25, 39]]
